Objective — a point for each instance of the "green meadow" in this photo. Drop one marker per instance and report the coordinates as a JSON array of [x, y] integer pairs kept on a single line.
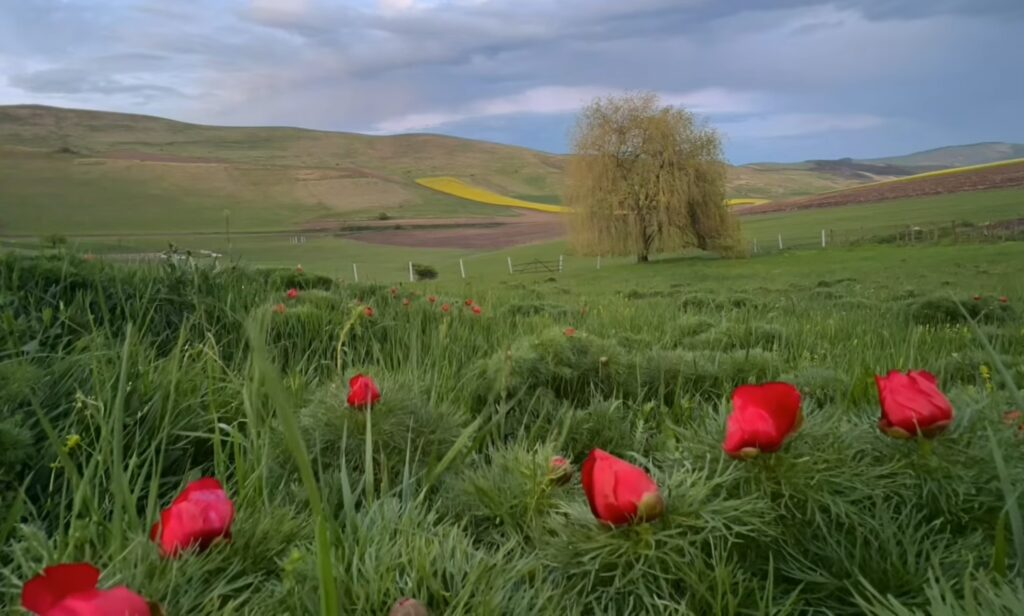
[[120, 384]]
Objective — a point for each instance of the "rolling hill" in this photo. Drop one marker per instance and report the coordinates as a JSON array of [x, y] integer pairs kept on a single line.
[[84, 172], [78, 171], [957, 156], [874, 169]]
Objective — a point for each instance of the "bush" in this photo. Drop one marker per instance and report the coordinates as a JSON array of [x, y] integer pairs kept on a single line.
[[940, 310], [424, 272]]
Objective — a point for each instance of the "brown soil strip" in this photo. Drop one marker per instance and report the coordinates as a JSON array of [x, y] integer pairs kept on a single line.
[[460, 233]]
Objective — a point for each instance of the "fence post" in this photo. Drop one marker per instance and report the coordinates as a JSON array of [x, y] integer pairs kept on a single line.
[[509, 265], [411, 277], [560, 263], [780, 241], [462, 269], [822, 238], [598, 261], [755, 245], [355, 272]]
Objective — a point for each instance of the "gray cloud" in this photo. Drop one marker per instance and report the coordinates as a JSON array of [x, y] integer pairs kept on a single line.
[[885, 72], [84, 81]]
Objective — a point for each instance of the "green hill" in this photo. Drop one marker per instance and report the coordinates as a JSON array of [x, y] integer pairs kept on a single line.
[[74, 170], [957, 155], [78, 171], [92, 172]]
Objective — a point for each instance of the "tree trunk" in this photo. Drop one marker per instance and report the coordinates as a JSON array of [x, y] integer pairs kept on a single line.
[[642, 258]]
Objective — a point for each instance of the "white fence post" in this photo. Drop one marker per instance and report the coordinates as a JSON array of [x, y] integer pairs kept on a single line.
[[755, 245], [822, 238], [780, 241], [509, 265], [462, 268], [355, 272], [560, 262], [411, 277]]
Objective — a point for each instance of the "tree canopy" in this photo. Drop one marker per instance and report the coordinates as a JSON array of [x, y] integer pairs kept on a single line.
[[646, 178]]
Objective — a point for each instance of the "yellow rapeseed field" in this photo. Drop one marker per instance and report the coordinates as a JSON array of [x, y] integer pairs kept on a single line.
[[458, 188], [737, 202]]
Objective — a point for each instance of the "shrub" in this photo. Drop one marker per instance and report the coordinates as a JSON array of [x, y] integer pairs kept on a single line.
[[424, 272]]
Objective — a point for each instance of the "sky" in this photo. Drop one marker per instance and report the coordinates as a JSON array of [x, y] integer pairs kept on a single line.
[[782, 80]]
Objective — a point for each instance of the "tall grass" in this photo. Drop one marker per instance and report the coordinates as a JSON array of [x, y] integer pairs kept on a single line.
[[120, 385]]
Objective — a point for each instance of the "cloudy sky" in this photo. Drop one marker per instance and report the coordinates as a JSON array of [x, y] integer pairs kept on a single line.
[[782, 79]]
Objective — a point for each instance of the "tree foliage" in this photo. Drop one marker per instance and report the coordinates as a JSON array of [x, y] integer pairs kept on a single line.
[[646, 178]]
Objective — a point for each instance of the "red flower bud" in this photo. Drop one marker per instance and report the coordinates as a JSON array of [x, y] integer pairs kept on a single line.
[[431, 298], [912, 404], [394, 291], [406, 302], [618, 492], [469, 302], [977, 298], [570, 332], [1004, 300], [408, 607], [368, 312], [200, 515], [445, 308], [280, 309], [1014, 418], [559, 471], [70, 590], [293, 293], [763, 416], [362, 392], [477, 309]]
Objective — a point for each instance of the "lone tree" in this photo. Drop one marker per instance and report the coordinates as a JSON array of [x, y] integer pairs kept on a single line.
[[645, 178]]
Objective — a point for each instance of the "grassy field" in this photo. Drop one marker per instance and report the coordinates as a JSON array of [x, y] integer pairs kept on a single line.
[[118, 385], [334, 255], [876, 218]]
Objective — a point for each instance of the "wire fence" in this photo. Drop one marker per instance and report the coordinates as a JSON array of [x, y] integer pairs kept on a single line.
[[356, 261], [953, 232]]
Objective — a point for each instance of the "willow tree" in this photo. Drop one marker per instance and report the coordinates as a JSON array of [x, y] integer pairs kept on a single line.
[[646, 178]]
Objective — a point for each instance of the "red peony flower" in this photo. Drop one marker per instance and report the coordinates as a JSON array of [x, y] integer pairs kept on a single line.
[[477, 309], [912, 404], [293, 293], [620, 493], [362, 392], [469, 302], [408, 607], [1004, 300], [431, 298], [280, 309], [1014, 419], [445, 308], [559, 470], [763, 416], [368, 312], [70, 590], [200, 515], [570, 332]]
